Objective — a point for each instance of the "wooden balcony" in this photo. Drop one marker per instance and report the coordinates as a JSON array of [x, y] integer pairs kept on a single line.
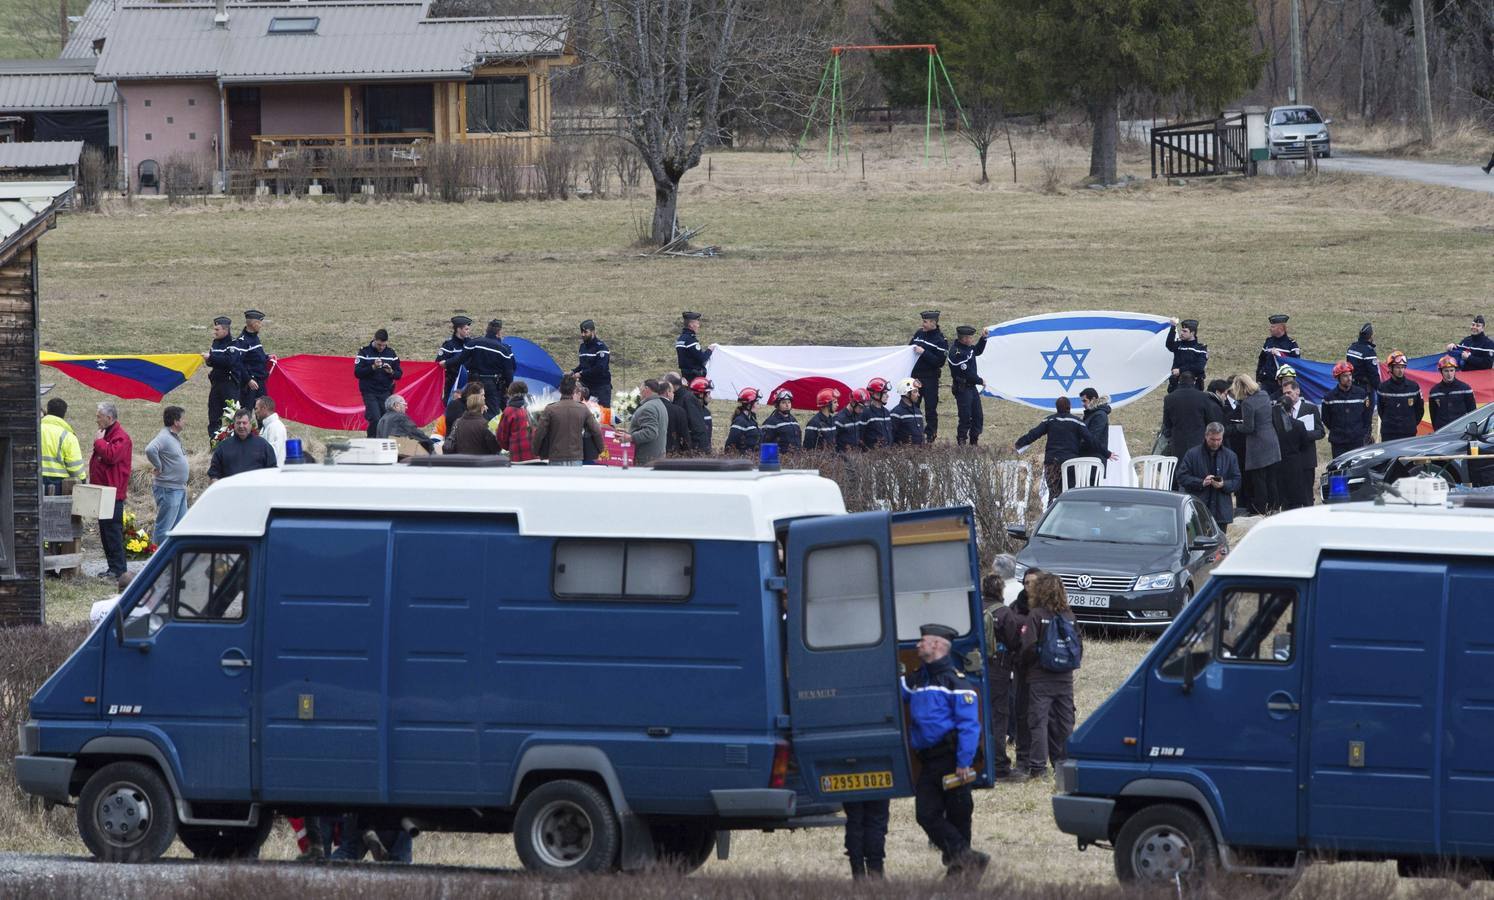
[[385, 149]]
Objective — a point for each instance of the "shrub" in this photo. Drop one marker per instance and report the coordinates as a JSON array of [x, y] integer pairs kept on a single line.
[[627, 164], [294, 173], [598, 162], [186, 175], [556, 170], [28, 655], [446, 170], [95, 174], [342, 171]]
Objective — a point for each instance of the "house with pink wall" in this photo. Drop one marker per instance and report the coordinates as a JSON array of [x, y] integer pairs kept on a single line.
[[237, 85]]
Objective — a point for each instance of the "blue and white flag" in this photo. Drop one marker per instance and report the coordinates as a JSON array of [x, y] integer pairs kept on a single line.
[[1037, 359]]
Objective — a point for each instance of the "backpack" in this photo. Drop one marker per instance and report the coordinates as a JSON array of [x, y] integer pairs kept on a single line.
[[1059, 649]]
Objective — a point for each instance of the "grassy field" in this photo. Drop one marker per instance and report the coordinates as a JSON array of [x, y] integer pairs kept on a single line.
[[810, 256]]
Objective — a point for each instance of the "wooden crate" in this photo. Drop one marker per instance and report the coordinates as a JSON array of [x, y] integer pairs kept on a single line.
[[93, 501]]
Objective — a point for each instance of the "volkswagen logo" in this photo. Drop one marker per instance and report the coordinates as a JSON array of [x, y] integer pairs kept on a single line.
[[1085, 581]]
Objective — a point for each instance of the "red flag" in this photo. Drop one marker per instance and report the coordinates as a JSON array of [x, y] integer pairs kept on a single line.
[[321, 391], [1482, 383]]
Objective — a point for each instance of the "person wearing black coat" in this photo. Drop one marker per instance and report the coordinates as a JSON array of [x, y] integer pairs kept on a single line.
[[932, 348], [697, 414], [677, 441], [746, 434], [1299, 445], [1344, 412], [377, 369], [908, 424], [253, 359], [1365, 361], [819, 432], [594, 364], [454, 353], [848, 423], [780, 427], [1189, 357], [688, 353], [1097, 419], [1185, 413], [1400, 401], [225, 374], [1211, 472], [1475, 352], [1067, 439], [1279, 349], [1451, 397], [492, 363]]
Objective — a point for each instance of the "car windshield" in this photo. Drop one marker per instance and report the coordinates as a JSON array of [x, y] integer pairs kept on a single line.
[[1459, 426], [1112, 523], [1296, 117]]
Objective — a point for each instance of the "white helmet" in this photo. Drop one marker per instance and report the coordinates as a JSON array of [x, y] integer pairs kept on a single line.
[[908, 386]]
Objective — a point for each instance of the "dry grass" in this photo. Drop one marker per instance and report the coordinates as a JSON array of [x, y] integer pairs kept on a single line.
[[1462, 141]]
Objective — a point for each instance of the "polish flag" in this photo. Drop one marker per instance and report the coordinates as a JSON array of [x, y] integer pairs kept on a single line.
[[804, 370]]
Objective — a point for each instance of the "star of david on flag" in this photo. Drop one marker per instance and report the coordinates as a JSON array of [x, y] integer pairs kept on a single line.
[[1037, 359], [1076, 371]]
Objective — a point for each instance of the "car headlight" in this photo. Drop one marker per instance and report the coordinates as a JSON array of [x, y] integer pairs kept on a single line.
[[1159, 581], [1358, 458]]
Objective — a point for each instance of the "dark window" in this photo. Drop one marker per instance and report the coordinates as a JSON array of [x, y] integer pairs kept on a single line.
[[170, 120], [147, 135], [191, 101], [191, 135], [842, 597], [7, 512], [623, 570], [399, 109], [147, 103], [294, 24], [498, 104]]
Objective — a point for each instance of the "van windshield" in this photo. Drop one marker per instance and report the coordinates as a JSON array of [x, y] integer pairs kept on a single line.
[[1110, 523]]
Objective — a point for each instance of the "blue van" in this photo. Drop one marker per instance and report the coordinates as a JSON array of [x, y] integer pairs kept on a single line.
[[1328, 695], [613, 666]]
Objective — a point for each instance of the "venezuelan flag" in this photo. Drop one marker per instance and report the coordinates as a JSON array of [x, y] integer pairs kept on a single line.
[[148, 377]]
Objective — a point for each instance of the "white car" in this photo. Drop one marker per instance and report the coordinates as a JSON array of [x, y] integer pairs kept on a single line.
[[1295, 132]]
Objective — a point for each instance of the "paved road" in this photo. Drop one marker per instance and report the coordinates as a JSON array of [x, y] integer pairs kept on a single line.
[[1469, 177]]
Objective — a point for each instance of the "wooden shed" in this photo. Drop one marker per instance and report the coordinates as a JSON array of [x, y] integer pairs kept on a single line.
[[27, 211]]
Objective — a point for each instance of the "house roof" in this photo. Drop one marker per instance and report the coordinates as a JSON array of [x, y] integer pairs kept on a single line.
[[28, 84], [366, 40], [25, 206], [89, 28], [40, 154]]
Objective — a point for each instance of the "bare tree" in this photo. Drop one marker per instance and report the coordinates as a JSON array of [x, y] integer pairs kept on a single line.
[[41, 26], [686, 73]]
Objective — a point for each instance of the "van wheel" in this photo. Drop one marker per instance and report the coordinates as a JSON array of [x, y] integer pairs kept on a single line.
[[566, 827], [226, 842], [125, 813], [683, 846], [1164, 843]]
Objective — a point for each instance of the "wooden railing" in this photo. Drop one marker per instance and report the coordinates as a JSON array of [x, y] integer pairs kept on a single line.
[[270, 148], [1205, 147]]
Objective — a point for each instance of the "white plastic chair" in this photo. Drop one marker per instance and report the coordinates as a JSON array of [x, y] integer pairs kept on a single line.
[[1155, 472], [1016, 488], [1083, 471]]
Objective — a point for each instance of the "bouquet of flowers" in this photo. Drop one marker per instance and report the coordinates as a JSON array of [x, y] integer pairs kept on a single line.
[[225, 426], [624, 404], [137, 540]]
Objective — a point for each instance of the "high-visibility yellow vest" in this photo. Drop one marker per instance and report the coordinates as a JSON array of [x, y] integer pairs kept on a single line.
[[61, 457]]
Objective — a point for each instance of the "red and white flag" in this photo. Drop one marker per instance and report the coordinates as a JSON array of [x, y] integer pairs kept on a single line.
[[804, 370]]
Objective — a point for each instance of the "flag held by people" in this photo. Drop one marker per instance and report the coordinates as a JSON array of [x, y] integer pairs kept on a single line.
[[131, 377], [1037, 359], [805, 371]]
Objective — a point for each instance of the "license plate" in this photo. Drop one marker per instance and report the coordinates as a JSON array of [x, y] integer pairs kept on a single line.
[[856, 781], [1090, 601]]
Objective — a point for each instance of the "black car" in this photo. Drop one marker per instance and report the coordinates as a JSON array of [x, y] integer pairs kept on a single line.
[[1390, 460], [1129, 558]]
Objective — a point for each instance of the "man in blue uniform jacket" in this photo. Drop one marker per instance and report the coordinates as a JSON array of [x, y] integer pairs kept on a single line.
[[944, 732]]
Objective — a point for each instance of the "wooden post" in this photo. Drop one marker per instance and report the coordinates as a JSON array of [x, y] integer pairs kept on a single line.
[[437, 107], [1423, 74], [461, 89], [347, 114]]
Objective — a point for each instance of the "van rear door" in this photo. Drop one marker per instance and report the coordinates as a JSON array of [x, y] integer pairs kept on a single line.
[[846, 715]]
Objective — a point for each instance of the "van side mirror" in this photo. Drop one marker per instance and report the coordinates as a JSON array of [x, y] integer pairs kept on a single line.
[[1016, 531]]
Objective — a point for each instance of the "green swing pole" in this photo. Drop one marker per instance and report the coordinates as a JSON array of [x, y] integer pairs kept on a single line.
[[834, 96], [928, 108], [952, 95], [939, 103], [812, 107]]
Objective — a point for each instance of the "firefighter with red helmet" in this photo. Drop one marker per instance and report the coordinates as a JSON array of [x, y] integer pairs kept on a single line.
[[1451, 397], [745, 434], [907, 420], [1344, 412], [848, 423], [696, 402], [819, 431], [780, 427], [1400, 401], [876, 421]]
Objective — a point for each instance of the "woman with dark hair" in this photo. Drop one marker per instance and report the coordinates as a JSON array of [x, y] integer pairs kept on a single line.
[[1050, 694]]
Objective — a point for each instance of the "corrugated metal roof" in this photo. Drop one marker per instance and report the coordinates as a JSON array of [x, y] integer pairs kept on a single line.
[[39, 154], [90, 27], [22, 203], [363, 40], [27, 84]]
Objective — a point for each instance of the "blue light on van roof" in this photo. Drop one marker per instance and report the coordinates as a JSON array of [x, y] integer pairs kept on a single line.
[[767, 460]]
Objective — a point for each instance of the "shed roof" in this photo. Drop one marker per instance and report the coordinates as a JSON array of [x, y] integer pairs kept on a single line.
[[30, 84], [367, 40], [24, 207], [90, 27], [40, 154], [590, 501]]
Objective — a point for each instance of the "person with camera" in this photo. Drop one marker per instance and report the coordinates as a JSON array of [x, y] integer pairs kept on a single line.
[[377, 369]]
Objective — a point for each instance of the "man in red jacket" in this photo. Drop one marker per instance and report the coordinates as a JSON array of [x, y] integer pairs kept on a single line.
[[110, 464]]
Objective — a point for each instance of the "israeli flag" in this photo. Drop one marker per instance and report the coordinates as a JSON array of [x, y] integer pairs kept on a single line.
[[1037, 359]]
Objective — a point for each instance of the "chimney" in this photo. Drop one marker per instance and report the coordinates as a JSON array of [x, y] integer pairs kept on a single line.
[[220, 18]]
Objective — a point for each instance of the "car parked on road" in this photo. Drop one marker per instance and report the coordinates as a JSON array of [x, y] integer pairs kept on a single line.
[[1128, 557], [1361, 469], [1295, 132]]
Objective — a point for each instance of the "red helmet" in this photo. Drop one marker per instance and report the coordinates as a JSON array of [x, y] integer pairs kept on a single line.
[[1343, 368], [859, 396], [701, 385], [828, 395], [1446, 362], [877, 386], [748, 395], [783, 394]]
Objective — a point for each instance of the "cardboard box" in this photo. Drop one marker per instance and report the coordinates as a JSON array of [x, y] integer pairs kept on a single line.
[[93, 501]]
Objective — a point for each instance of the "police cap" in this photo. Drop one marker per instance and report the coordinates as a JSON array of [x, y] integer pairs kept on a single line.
[[588, 325], [965, 330], [1278, 319], [460, 321], [1190, 324], [689, 316], [253, 314], [937, 630], [1366, 329], [929, 314], [225, 321], [1478, 319]]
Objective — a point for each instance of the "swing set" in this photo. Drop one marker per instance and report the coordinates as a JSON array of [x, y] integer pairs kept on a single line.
[[934, 99]]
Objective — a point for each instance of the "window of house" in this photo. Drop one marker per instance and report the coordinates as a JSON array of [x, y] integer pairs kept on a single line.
[[498, 104], [294, 24], [191, 101], [147, 103], [191, 135], [7, 512], [623, 570], [170, 120], [147, 135], [842, 597]]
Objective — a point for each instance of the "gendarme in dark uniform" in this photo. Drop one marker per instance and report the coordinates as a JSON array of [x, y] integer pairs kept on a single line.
[[692, 358], [934, 347], [254, 360], [492, 363], [594, 364], [454, 352], [944, 730], [1275, 352], [224, 373], [965, 383]]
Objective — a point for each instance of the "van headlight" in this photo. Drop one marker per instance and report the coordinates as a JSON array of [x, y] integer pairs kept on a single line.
[[1158, 581]]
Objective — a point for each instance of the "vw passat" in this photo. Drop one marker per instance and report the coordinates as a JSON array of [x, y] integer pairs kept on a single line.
[[1129, 558]]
